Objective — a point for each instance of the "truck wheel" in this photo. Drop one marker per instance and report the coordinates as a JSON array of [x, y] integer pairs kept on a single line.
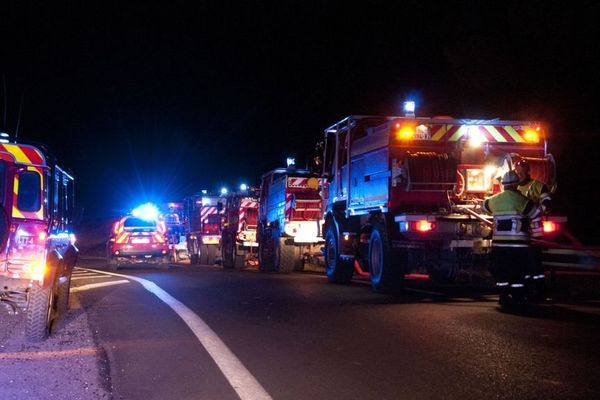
[[288, 257], [385, 277], [203, 257], [337, 270], [164, 262], [113, 264], [40, 312], [64, 289], [268, 254], [212, 253], [228, 254], [239, 261]]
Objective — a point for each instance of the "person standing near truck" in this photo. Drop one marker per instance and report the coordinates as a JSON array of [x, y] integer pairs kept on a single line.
[[514, 260]]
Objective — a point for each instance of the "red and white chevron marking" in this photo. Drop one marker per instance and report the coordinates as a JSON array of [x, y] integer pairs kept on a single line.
[[289, 197], [300, 182], [297, 182], [244, 205], [205, 212]]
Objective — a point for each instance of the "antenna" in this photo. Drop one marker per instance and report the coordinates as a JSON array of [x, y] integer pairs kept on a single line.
[[19, 117], [5, 106]]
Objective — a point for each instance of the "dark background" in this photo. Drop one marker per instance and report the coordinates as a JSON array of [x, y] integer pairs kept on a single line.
[[153, 101]]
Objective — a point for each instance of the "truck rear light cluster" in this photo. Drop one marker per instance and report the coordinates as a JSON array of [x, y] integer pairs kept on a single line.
[[550, 226], [417, 226]]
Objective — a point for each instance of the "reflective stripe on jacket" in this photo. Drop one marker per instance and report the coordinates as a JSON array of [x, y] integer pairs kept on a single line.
[[512, 212], [540, 195]]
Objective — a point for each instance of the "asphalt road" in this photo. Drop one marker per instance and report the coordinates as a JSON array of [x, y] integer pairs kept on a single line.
[[298, 337]]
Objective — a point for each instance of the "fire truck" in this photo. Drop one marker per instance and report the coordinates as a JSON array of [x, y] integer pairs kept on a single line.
[[204, 216], [404, 193], [238, 239], [290, 216], [37, 244]]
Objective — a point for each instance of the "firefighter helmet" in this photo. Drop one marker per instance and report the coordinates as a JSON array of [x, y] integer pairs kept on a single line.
[[522, 163], [510, 178]]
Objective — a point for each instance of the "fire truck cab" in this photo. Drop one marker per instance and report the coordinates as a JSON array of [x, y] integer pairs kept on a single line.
[[238, 239], [37, 244], [289, 215], [404, 193], [204, 216]]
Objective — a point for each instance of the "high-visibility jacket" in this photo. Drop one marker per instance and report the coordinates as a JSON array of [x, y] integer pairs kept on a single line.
[[540, 195], [536, 191], [512, 213]]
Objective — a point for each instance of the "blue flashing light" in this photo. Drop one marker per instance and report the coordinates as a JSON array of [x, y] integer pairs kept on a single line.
[[409, 108], [147, 212], [291, 161], [224, 190], [204, 191], [243, 187]]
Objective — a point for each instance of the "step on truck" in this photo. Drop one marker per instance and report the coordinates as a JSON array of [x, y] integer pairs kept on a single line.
[[290, 218], [238, 239], [404, 194], [37, 244], [204, 215]]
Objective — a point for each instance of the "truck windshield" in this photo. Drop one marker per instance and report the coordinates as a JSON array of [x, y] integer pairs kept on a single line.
[[29, 191]]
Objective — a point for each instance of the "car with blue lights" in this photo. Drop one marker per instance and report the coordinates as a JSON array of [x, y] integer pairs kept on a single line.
[[138, 238]]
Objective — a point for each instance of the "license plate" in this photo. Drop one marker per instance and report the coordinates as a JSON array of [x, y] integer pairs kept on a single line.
[[24, 240], [138, 241]]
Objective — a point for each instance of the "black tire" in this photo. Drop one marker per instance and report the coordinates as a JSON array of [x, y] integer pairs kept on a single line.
[[228, 252], [386, 277], [165, 262], [239, 261], [337, 270], [64, 290], [113, 264], [211, 254], [268, 254], [288, 257], [40, 313], [203, 257]]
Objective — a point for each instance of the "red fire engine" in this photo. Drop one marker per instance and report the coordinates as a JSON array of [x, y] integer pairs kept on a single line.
[[238, 240], [36, 241], [289, 217], [204, 216], [403, 193]]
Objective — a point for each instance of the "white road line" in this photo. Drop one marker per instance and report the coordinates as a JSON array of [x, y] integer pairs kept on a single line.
[[96, 285], [240, 379], [78, 277]]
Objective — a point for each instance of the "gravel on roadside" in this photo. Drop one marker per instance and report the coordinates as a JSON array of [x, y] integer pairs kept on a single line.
[[67, 366]]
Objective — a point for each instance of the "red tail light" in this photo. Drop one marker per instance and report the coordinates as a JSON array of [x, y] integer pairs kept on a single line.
[[422, 226], [550, 226]]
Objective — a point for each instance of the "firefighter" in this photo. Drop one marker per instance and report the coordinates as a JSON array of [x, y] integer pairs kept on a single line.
[[514, 260], [532, 188]]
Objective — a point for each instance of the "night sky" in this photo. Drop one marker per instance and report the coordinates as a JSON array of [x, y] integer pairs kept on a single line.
[[153, 101]]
